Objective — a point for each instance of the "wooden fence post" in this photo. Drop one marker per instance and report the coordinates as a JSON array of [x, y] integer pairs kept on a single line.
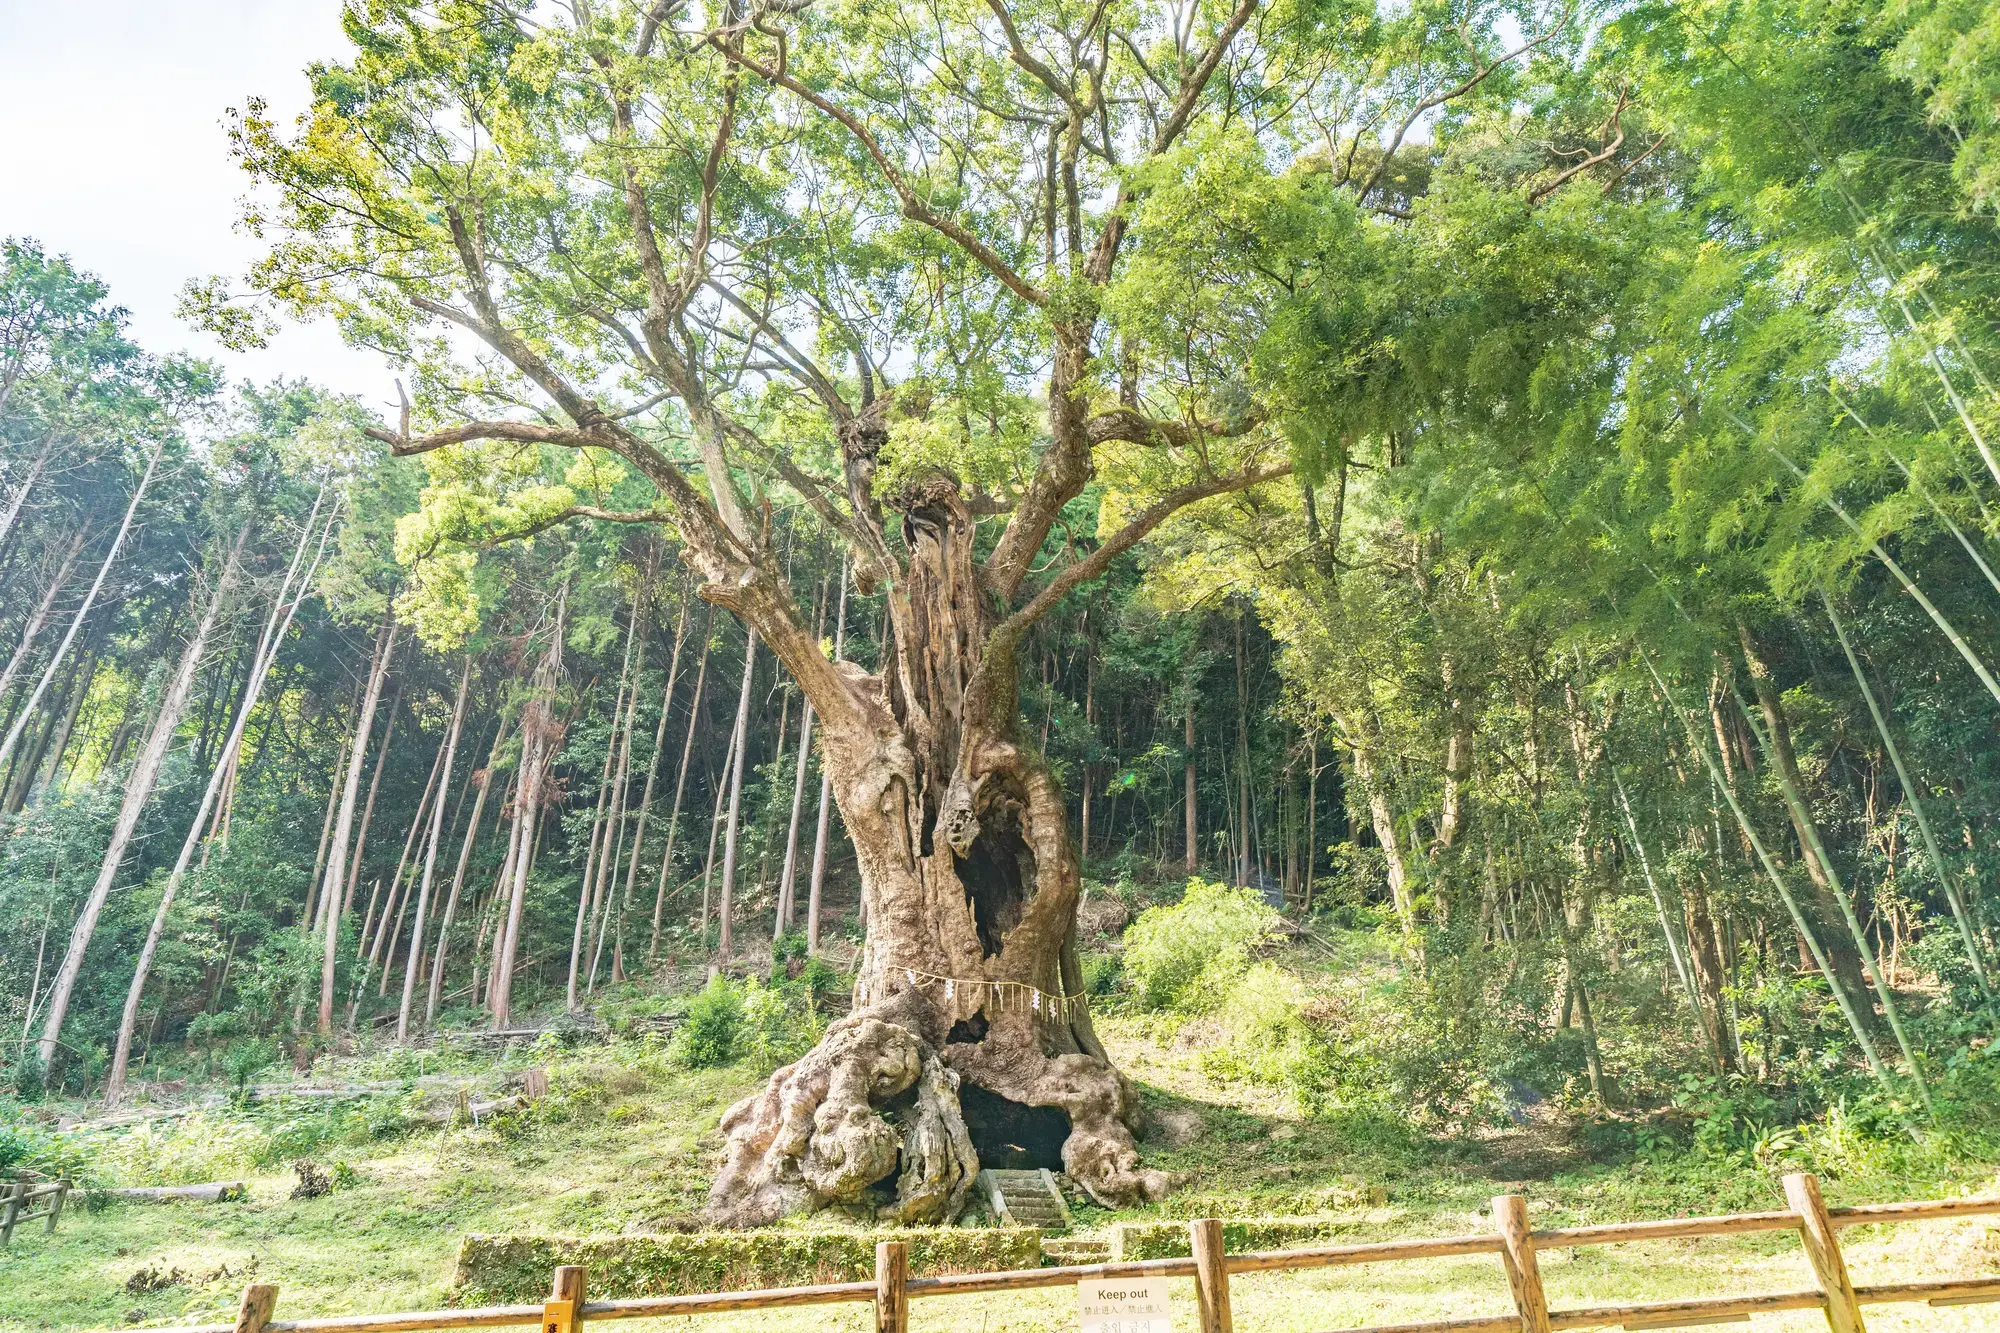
[[16, 1196], [563, 1311], [892, 1296], [56, 1204], [1843, 1312], [1211, 1275], [259, 1300], [1517, 1253]]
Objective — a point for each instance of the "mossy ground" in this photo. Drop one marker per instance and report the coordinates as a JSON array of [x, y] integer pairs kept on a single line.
[[626, 1141]]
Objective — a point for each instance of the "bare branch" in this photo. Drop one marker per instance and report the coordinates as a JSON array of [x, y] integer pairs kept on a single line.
[[1453, 94], [1611, 137], [914, 207]]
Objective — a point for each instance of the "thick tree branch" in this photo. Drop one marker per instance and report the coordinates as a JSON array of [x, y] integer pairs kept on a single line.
[[1093, 566]]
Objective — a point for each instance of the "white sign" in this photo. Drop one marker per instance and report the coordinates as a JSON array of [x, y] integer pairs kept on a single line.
[[1125, 1305]]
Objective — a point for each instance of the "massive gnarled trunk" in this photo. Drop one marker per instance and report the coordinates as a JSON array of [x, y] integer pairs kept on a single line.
[[969, 1042]]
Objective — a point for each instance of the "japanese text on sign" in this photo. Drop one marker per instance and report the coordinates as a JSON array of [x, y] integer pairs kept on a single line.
[[1124, 1305]]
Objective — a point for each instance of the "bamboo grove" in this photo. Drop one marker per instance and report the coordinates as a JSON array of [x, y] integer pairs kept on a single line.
[[1624, 642]]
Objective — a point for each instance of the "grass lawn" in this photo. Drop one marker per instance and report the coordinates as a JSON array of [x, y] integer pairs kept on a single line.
[[626, 1142]]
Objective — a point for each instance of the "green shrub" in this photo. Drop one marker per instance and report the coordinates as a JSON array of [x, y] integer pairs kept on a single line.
[[244, 1060], [1185, 957], [713, 1030], [1101, 972], [28, 1077], [776, 1030]]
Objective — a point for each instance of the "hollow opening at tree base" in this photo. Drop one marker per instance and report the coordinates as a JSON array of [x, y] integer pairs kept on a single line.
[[1010, 1135]]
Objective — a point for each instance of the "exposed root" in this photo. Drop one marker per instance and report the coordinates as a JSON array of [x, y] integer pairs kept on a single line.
[[872, 1105]]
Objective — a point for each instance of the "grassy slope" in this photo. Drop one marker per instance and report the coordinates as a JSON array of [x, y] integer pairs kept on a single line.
[[626, 1142]]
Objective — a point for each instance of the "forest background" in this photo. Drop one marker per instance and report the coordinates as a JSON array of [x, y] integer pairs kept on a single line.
[[1619, 646]]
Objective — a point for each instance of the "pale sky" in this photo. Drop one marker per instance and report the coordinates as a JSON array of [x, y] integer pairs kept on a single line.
[[112, 152]]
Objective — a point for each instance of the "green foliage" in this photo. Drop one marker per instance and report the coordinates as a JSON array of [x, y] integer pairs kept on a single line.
[[712, 1032], [1184, 957]]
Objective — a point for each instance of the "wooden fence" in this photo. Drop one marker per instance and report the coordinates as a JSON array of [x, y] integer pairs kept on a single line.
[[18, 1199], [1513, 1241]]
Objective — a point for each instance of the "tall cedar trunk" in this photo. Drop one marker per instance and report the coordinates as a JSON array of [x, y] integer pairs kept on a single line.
[[788, 879], [371, 945], [416, 949], [484, 780], [40, 615], [266, 654], [311, 913], [374, 790], [614, 835], [680, 786], [1242, 760], [600, 828], [47, 754], [820, 829], [13, 738], [726, 904], [21, 492], [541, 739], [139, 785], [715, 831], [967, 1006], [653, 768], [335, 878], [1193, 828]]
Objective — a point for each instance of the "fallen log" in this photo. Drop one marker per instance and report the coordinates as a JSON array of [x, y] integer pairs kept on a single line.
[[220, 1191]]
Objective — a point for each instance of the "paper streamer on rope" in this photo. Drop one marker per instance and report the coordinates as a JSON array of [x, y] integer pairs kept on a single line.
[[1015, 995]]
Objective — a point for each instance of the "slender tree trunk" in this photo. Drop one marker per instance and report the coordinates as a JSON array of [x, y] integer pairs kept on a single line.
[[484, 779], [310, 917], [614, 837], [83, 610], [1312, 818], [335, 880], [27, 486], [40, 615], [1842, 996], [374, 789], [541, 736], [433, 791], [1188, 775], [813, 888], [48, 751], [1777, 737], [653, 773], [138, 789], [726, 903], [416, 950], [600, 832], [715, 830], [35, 987], [788, 878], [1910, 797], [680, 785], [1243, 759]]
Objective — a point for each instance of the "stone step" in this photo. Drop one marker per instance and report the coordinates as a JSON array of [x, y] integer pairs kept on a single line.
[[1077, 1251], [1025, 1198]]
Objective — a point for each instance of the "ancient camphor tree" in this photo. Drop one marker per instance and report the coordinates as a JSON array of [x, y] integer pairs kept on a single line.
[[889, 266]]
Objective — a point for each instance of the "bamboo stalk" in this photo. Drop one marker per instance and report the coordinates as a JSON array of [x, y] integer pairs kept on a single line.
[[1958, 911]]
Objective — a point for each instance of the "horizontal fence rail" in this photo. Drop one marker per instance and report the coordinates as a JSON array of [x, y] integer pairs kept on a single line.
[[1512, 1241], [17, 1204]]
